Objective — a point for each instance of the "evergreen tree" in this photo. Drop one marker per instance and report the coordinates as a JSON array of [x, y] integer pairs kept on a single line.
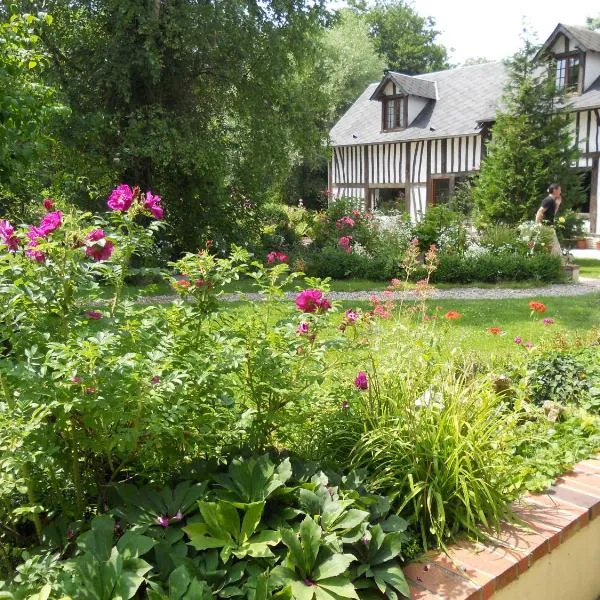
[[531, 145]]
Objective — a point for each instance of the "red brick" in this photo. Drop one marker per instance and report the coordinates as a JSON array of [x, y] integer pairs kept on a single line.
[[484, 581], [500, 563], [591, 465], [583, 481], [418, 592], [531, 544], [442, 582], [575, 497]]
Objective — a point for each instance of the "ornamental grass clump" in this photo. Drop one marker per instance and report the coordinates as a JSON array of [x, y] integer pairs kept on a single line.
[[442, 456]]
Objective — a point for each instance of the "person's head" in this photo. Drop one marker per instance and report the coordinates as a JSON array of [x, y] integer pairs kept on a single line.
[[554, 190]]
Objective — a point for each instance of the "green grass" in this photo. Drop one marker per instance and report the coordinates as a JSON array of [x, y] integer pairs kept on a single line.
[[590, 267], [572, 315]]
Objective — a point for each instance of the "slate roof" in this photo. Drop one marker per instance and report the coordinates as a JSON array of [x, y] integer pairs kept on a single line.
[[412, 86], [467, 96], [587, 39]]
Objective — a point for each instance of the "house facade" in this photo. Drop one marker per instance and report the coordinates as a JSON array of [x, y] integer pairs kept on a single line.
[[409, 140]]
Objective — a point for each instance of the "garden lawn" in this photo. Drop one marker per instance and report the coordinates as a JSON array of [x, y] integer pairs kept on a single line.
[[471, 333], [590, 267]]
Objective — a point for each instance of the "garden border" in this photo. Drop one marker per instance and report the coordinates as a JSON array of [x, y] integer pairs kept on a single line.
[[476, 571]]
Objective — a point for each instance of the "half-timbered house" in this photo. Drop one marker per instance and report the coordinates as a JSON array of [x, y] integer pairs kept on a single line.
[[411, 139]]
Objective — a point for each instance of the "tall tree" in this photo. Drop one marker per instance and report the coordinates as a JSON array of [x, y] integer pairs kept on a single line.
[[27, 107], [531, 145], [406, 40], [205, 102], [351, 59]]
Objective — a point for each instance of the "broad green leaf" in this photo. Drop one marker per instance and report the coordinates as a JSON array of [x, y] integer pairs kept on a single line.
[[302, 591], [334, 565], [132, 545], [251, 520], [339, 586], [310, 536], [394, 577], [390, 548]]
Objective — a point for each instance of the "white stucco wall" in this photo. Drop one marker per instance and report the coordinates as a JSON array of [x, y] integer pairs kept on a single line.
[[592, 68]]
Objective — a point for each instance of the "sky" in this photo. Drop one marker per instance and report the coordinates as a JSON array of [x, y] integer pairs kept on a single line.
[[492, 29], [482, 28]]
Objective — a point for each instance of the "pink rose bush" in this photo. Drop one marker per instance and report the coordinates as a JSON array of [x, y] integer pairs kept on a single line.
[[310, 301]]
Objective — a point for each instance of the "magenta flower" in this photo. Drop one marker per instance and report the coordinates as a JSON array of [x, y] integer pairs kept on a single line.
[[120, 198], [7, 236], [528, 345], [97, 246], [351, 316], [276, 257], [163, 521], [50, 222], [48, 204], [152, 203], [93, 314], [517, 340], [302, 328], [37, 255], [361, 381], [548, 321], [155, 380], [75, 379], [310, 301]]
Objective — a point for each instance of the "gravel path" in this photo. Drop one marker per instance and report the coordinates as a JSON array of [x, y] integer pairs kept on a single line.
[[585, 286]]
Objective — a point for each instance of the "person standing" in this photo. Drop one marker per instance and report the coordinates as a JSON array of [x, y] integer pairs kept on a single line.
[[547, 211]]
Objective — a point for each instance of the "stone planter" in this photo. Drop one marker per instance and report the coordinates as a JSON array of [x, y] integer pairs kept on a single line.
[[572, 272]]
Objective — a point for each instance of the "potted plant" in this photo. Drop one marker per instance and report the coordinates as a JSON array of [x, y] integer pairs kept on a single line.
[[569, 230]]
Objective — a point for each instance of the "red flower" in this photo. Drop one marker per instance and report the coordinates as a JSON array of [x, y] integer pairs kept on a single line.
[[452, 314], [537, 307], [48, 204], [181, 283], [495, 330]]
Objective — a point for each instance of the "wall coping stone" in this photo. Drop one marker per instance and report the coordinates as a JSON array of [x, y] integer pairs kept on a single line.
[[475, 571]]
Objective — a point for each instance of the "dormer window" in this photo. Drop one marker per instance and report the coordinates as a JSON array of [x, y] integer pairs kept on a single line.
[[394, 113], [567, 72]]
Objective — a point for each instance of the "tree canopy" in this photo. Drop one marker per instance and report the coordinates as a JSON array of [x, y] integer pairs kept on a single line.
[[405, 39]]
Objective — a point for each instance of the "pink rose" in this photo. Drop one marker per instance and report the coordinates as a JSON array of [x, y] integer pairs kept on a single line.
[[50, 222], [310, 301], [93, 314], [152, 203], [7, 236], [120, 198], [97, 246]]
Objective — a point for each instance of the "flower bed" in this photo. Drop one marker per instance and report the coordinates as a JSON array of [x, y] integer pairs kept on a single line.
[[365, 435]]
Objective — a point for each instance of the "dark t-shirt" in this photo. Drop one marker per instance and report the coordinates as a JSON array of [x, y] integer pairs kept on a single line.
[[549, 204]]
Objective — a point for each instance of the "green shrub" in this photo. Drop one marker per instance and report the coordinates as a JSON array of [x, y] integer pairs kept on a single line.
[[498, 267], [441, 222], [557, 377]]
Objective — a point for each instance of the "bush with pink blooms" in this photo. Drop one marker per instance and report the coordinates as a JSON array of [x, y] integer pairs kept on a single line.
[[94, 391]]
